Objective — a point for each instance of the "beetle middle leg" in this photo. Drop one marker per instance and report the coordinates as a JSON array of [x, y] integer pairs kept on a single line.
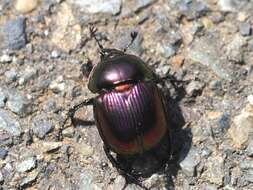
[[128, 176]]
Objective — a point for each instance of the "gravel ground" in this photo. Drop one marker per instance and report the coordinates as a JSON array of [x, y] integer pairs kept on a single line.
[[46, 46]]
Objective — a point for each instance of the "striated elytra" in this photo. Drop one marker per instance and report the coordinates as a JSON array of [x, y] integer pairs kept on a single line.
[[129, 110]]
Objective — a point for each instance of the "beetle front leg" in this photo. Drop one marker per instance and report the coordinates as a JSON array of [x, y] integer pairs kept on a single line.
[[122, 170], [71, 114], [72, 111]]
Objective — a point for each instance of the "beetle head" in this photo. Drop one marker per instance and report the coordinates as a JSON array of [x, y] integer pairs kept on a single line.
[[106, 53]]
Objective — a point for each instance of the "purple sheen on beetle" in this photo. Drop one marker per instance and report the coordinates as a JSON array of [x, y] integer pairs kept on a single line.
[[128, 120]]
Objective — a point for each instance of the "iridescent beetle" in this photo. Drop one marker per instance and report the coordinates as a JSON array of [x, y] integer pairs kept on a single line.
[[129, 111]]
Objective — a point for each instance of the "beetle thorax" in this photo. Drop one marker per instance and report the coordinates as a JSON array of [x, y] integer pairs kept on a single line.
[[122, 69]]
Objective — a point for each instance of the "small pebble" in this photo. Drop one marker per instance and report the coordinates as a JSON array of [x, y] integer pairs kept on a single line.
[[42, 129], [192, 9], [3, 153], [50, 105], [194, 88], [49, 147], [209, 187], [5, 58], [28, 137], [245, 29], [5, 139], [19, 103], [9, 123], [166, 50], [86, 180], [216, 87], [65, 150], [234, 48], [119, 183], [76, 91], [206, 152], [27, 74], [26, 165], [26, 6], [242, 16], [249, 175], [32, 176], [58, 85], [190, 162], [246, 164], [14, 34], [242, 128], [3, 97], [11, 75], [68, 132], [55, 54], [215, 170], [223, 122], [228, 5], [249, 149], [250, 99], [99, 6], [1, 178]]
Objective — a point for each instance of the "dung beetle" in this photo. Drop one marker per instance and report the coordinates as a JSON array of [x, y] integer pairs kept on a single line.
[[129, 111]]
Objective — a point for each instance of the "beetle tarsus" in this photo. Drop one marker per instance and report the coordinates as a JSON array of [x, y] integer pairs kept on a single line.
[[93, 31], [133, 35]]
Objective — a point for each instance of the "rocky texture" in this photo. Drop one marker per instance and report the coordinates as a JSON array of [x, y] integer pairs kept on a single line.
[[190, 162], [18, 103], [3, 153], [14, 34], [9, 123], [67, 33], [243, 127], [26, 165]]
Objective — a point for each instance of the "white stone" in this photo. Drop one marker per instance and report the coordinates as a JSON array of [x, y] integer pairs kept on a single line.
[[99, 6], [26, 6], [5, 58], [250, 99], [242, 127]]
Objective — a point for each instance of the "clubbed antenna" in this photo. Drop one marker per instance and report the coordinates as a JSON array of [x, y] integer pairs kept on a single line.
[[133, 37], [93, 31]]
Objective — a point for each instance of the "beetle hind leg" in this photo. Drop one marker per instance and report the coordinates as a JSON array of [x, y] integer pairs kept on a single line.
[[123, 171]]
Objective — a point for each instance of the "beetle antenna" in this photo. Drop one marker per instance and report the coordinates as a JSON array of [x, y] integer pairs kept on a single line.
[[93, 31], [133, 37]]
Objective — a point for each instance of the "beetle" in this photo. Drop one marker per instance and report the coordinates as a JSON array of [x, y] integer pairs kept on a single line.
[[129, 111]]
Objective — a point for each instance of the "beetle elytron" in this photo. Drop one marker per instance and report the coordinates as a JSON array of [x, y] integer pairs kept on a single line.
[[129, 111]]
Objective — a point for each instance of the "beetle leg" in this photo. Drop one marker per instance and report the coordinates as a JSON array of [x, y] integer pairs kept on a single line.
[[72, 111], [122, 170], [86, 68], [93, 31], [133, 37]]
